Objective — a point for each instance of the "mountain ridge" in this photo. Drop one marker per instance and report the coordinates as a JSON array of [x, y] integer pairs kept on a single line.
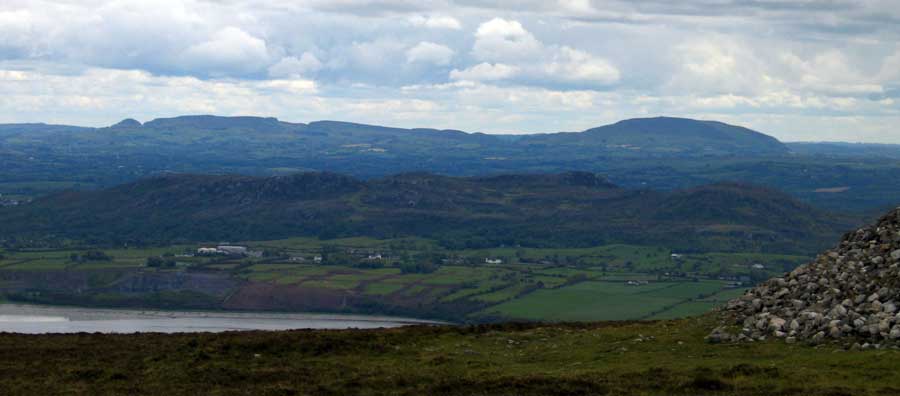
[[224, 122], [662, 153]]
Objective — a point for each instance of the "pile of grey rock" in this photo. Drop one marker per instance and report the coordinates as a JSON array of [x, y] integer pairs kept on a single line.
[[849, 294]]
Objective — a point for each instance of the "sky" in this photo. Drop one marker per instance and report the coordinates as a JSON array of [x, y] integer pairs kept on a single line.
[[801, 70]]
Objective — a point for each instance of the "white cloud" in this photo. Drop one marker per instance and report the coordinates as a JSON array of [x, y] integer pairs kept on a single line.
[[517, 53], [293, 67], [102, 96], [578, 66], [438, 87], [436, 22], [17, 31], [830, 72], [376, 54], [890, 69], [294, 86], [228, 50], [577, 6], [719, 66], [428, 52], [500, 39], [485, 72]]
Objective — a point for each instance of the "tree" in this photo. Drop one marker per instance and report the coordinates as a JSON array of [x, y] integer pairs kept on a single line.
[[155, 262], [159, 262]]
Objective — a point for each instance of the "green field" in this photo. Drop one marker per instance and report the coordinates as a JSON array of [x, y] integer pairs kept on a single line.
[[529, 284], [596, 300]]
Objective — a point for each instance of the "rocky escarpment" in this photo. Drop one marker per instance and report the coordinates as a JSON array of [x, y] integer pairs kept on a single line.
[[848, 294]]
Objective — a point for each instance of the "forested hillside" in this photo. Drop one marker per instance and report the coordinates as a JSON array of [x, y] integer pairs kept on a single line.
[[568, 209]]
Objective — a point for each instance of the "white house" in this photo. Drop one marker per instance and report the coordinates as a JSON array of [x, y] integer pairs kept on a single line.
[[207, 251], [493, 261]]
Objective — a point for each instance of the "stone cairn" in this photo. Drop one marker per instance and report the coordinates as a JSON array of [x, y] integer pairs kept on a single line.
[[849, 294]]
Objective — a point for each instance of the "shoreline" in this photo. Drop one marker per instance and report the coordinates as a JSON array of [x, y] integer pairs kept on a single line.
[[43, 319], [97, 313]]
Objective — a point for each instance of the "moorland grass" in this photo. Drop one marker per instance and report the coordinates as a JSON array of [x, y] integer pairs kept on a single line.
[[612, 358]]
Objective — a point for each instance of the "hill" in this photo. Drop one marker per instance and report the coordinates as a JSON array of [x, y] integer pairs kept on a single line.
[[668, 136], [568, 209]]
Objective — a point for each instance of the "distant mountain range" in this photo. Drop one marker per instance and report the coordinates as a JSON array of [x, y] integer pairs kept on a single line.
[[661, 136], [661, 153], [566, 210]]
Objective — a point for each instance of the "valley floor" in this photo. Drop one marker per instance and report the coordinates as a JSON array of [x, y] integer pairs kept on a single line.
[[611, 358], [608, 282]]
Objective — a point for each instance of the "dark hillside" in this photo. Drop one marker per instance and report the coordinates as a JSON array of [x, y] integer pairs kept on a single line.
[[569, 209], [741, 204]]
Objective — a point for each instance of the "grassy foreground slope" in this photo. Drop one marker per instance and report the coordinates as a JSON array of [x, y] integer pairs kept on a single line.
[[656, 358]]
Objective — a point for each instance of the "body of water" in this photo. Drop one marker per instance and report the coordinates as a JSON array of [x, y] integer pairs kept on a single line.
[[36, 319]]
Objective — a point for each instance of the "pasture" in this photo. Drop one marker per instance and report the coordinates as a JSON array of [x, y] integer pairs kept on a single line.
[[613, 282]]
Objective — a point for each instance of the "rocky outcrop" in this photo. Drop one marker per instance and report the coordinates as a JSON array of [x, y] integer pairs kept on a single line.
[[849, 294]]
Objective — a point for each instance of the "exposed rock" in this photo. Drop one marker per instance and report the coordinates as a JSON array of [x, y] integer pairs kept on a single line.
[[895, 333], [849, 293], [719, 335]]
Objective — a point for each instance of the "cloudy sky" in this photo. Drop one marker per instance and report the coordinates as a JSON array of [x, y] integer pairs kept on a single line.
[[799, 70]]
